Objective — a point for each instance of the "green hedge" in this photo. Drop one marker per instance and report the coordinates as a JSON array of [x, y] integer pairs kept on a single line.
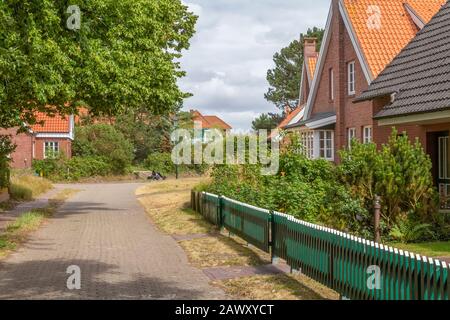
[[73, 169], [162, 163]]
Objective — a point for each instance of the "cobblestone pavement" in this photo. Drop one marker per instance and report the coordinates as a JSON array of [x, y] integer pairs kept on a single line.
[[105, 231]]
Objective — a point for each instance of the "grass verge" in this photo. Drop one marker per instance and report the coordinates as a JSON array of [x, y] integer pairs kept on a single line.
[[28, 187], [276, 287], [17, 231], [429, 249]]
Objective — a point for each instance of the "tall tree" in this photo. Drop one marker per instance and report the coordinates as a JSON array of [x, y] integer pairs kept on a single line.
[[267, 121], [284, 79], [106, 54]]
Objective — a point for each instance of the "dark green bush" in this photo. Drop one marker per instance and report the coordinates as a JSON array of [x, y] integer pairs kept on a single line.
[[162, 163], [102, 140], [73, 169], [342, 196]]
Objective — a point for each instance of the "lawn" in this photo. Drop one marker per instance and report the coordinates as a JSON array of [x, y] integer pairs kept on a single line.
[[429, 249]]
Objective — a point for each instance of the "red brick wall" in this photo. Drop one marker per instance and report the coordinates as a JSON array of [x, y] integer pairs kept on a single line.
[[23, 155], [349, 115], [65, 147]]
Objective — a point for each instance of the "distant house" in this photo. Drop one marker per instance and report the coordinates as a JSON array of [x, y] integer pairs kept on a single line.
[[52, 135], [208, 123]]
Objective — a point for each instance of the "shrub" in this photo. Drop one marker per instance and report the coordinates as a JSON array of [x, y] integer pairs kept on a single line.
[[160, 162], [6, 148], [73, 169], [102, 140]]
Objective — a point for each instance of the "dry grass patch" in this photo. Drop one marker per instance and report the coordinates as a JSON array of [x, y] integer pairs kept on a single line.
[[28, 187], [166, 203], [173, 185], [221, 251], [180, 221], [276, 287]]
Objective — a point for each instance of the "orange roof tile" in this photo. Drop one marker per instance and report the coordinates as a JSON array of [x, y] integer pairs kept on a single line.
[[56, 124], [392, 28], [210, 122], [312, 62], [289, 117], [216, 122]]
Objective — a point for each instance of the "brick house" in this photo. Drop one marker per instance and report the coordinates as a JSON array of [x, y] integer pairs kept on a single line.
[[208, 123], [361, 39], [413, 95], [55, 134]]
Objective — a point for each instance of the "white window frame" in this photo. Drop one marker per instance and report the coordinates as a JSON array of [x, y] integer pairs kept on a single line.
[[351, 134], [326, 144], [351, 78], [53, 145], [331, 83], [307, 141], [367, 134]]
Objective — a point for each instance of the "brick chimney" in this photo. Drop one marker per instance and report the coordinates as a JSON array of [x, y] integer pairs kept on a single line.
[[309, 45]]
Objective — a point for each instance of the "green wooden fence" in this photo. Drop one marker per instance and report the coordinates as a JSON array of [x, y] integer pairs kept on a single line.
[[354, 267]]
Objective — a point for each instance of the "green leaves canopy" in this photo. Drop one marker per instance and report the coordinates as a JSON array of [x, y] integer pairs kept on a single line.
[[124, 56]]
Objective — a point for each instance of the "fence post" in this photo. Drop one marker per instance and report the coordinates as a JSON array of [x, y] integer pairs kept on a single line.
[[377, 218], [219, 212]]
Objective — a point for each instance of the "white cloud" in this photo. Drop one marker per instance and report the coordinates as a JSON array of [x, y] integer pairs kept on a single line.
[[233, 49]]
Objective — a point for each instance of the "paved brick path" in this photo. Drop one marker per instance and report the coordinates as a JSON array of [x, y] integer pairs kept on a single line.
[[104, 231]]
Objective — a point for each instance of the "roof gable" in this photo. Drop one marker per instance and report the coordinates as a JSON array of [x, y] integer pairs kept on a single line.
[[49, 124], [210, 122], [420, 74], [383, 27]]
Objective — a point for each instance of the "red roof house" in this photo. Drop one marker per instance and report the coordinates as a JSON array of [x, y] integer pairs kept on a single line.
[[49, 136]]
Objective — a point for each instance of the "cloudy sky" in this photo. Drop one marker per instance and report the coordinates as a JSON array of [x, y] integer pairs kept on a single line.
[[233, 49]]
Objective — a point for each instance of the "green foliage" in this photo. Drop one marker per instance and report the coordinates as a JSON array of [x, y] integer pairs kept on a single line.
[[124, 56], [102, 140], [146, 132], [400, 174], [73, 169], [342, 196], [162, 163], [266, 121], [6, 148], [410, 231], [284, 79]]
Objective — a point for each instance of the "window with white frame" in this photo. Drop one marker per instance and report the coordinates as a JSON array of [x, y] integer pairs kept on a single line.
[[351, 78], [307, 141], [331, 84], [367, 134], [351, 134], [51, 149], [326, 144]]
